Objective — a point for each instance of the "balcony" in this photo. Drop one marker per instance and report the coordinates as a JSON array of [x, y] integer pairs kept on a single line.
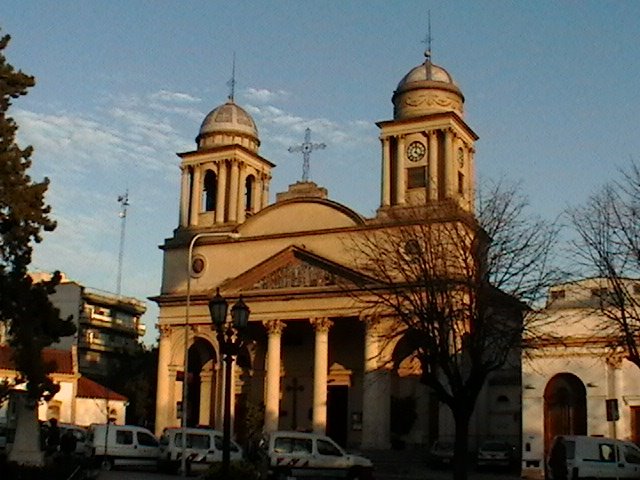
[[108, 323]]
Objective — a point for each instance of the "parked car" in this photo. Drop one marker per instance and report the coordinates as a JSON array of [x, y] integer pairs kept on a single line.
[[110, 445], [582, 457], [494, 453], [440, 454], [203, 447], [298, 454]]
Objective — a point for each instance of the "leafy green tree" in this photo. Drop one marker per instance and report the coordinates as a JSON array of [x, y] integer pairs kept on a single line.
[[24, 305]]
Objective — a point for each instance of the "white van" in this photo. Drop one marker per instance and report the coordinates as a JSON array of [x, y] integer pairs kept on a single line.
[[577, 456], [301, 454], [204, 447], [121, 445]]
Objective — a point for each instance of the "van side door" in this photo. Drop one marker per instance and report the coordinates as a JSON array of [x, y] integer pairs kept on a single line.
[[148, 449], [291, 453], [329, 458]]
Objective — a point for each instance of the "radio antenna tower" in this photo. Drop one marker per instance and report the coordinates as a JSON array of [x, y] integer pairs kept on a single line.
[[123, 200]]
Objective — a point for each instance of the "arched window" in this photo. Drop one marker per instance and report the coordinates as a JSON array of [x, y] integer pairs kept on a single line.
[[248, 193], [210, 191]]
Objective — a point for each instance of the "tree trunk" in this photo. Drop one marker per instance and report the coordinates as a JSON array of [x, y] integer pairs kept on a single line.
[[26, 444], [461, 416]]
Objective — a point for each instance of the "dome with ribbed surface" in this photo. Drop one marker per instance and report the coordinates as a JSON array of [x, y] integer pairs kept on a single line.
[[426, 89], [228, 124]]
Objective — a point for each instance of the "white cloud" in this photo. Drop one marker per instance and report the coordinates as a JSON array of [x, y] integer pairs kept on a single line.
[[177, 97], [263, 95]]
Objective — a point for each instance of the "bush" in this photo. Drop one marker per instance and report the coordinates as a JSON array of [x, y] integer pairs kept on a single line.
[[238, 470]]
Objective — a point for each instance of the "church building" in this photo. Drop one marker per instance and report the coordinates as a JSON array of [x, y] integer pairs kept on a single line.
[[312, 360]]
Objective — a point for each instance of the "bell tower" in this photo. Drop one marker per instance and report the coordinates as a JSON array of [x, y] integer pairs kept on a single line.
[[225, 179], [427, 149]]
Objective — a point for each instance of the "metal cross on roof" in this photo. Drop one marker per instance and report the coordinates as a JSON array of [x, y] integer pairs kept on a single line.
[[306, 148]]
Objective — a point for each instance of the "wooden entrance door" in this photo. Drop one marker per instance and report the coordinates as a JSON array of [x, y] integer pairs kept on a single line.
[[565, 407]]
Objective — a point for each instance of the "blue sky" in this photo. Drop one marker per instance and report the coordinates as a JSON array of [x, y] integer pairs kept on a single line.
[[551, 88]]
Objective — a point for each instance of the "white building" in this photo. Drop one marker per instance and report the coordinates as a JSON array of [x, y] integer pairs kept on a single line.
[[108, 325], [572, 383]]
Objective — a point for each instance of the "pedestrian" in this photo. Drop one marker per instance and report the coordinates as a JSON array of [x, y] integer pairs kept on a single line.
[[558, 460], [53, 436], [68, 442]]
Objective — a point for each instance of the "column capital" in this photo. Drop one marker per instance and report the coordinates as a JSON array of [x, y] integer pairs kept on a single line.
[[197, 329], [321, 324], [615, 360], [165, 331], [274, 327]]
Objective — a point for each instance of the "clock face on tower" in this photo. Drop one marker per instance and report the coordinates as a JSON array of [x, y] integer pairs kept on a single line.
[[416, 151]]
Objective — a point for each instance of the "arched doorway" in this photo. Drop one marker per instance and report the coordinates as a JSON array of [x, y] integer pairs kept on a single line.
[[201, 383], [565, 407]]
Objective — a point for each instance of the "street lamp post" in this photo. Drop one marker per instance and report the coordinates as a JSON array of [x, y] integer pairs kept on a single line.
[[185, 397], [230, 340]]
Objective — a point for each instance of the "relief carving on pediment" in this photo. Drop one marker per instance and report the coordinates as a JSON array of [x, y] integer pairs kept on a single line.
[[295, 276]]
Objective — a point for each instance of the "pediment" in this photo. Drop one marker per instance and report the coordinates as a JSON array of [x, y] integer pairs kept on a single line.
[[295, 268]]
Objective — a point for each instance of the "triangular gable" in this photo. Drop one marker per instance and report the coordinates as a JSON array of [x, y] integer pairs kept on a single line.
[[294, 268]]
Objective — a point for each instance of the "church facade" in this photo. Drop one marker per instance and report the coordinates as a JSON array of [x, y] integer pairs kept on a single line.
[[312, 359]]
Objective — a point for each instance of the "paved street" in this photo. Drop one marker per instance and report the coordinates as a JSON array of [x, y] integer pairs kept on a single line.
[[135, 475], [406, 474]]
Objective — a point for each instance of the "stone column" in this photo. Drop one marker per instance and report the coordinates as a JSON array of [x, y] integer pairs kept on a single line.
[[196, 188], [614, 389], [233, 192], [206, 380], [184, 197], [256, 194], [272, 383], [173, 396], [449, 180], [221, 191], [320, 373], [400, 181], [385, 201], [242, 205], [376, 400], [433, 165], [265, 191], [471, 174], [163, 399]]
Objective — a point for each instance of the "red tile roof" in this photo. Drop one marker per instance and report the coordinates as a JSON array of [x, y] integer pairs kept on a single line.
[[61, 359], [90, 389]]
